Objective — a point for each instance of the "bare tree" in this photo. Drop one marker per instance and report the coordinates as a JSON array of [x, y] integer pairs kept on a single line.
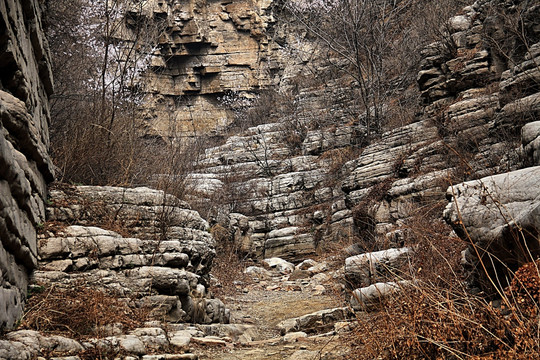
[[376, 42], [98, 50]]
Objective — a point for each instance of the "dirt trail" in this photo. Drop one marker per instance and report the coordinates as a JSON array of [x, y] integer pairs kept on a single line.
[[265, 306]]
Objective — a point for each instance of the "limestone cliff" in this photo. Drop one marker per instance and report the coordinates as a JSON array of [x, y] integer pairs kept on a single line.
[[25, 167], [205, 49], [469, 127]]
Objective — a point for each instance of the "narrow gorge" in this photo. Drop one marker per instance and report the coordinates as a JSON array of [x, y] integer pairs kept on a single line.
[[269, 179]]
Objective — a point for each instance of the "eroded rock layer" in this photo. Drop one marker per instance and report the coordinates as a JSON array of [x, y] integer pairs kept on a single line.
[[159, 256], [205, 49], [25, 167], [292, 191]]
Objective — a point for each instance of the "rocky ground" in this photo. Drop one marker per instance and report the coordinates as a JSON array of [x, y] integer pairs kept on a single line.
[[277, 308], [125, 273], [278, 312]]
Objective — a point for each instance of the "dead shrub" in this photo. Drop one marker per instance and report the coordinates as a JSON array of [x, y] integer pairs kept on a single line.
[[524, 289], [220, 233], [438, 318], [338, 157], [228, 267], [363, 215], [431, 321], [437, 254], [79, 312]]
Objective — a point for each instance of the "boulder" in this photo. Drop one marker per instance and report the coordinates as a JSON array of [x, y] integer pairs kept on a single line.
[[368, 297], [280, 265], [294, 336], [314, 322], [499, 216], [258, 272], [306, 264], [530, 140], [364, 269]]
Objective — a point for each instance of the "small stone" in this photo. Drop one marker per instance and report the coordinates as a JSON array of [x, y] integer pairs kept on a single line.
[[180, 341], [258, 272], [320, 278], [306, 264], [294, 336], [280, 265], [132, 344], [318, 268], [209, 341], [171, 357], [293, 287]]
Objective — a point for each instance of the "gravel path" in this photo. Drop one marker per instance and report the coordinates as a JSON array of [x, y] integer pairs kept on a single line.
[[265, 304]]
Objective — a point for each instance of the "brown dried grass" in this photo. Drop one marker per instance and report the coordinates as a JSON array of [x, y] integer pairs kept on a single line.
[[438, 322], [228, 266], [438, 318], [79, 312]]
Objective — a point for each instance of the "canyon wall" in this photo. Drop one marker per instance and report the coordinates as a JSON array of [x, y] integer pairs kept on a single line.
[[478, 88], [25, 166], [207, 53]]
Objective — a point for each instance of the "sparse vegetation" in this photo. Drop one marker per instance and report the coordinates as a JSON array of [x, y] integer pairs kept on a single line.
[[363, 40], [80, 312], [438, 316]]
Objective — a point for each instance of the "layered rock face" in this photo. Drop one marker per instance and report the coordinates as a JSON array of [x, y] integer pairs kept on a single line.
[[295, 201], [25, 167], [205, 49], [500, 216], [162, 260], [280, 201]]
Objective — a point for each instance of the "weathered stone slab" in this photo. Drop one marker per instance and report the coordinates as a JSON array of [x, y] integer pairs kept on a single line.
[[500, 216], [314, 322], [368, 297], [365, 269]]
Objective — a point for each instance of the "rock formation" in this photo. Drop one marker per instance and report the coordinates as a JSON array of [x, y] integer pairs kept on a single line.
[[475, 102], [287, 188], [205, 50], [163, 261], [499, 216], [25, 166]]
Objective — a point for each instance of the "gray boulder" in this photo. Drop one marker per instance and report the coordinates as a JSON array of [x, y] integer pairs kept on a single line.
[[367, 297], [364, 269], [500, 217]]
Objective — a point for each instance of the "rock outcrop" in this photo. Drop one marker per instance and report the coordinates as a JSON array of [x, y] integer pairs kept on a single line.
[[299, 189], [148, 343], [209, 56], [500, 217], [161, 261], [25, 166]]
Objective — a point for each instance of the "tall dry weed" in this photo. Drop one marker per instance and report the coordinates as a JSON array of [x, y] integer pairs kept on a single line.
[[438, 317]]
